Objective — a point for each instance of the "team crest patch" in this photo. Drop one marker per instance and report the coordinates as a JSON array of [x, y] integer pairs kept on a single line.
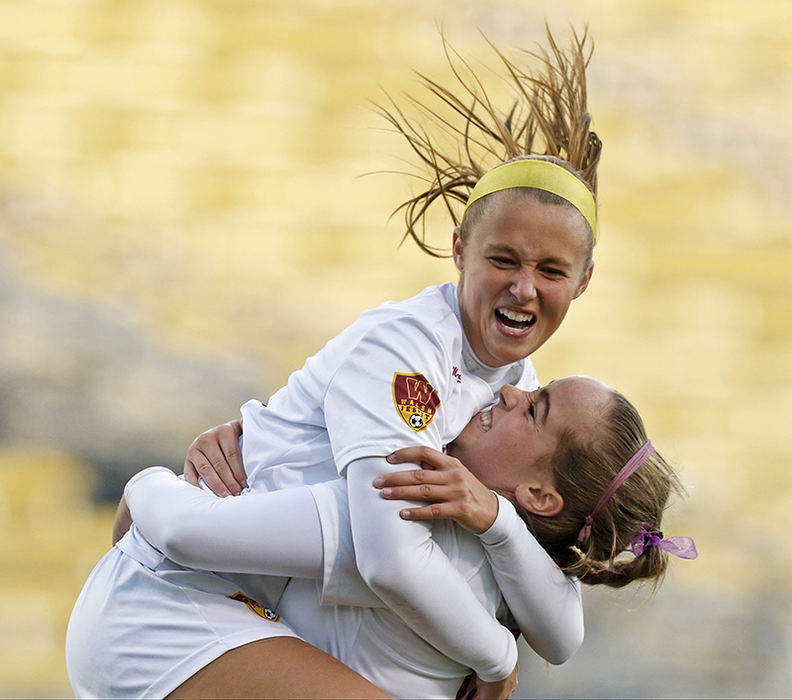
[[416, 399], [255, 607]]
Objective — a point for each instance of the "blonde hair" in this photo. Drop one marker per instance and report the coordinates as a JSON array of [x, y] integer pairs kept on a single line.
[[548, 119], [583, 468]]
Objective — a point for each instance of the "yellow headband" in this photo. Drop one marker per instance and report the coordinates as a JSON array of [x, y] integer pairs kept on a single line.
[[543, 175]]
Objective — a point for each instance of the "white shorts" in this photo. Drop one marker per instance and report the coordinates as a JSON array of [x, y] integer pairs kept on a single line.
[[137, 632]]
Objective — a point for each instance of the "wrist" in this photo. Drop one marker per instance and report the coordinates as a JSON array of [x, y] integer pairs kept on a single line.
[[489, 515], [502, 524]]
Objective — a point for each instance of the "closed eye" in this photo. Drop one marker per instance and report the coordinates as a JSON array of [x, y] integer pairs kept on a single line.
[[553, 272], [499, 261]]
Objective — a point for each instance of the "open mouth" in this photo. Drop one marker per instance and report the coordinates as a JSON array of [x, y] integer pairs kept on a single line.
[[486, 420], [514, 319]]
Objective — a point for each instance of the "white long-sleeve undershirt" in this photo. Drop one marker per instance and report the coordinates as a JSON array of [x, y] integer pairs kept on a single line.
[[275, 533], [545, 603], [279, 533], [403, 565]]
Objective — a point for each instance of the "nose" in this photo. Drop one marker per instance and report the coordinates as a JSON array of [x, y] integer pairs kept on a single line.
[[523, 286], [511, 397]]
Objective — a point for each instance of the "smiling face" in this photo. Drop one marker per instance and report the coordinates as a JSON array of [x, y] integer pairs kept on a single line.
[[514, 442], [521, 267]]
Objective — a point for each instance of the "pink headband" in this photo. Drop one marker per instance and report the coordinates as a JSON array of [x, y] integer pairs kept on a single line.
[[634, 462]]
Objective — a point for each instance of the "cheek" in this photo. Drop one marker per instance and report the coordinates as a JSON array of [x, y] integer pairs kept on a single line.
[[492, 284], [558, 298]]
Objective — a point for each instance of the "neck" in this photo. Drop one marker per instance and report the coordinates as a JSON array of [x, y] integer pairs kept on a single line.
[[494, 376]]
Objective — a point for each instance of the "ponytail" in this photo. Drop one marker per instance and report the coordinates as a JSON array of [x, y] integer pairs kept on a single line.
[[584, 469]]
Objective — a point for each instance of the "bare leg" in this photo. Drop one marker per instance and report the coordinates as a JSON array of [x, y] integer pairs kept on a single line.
[[279, 667]]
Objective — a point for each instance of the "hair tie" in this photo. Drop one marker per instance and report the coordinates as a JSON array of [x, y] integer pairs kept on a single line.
[[682, 547], [632, 464]]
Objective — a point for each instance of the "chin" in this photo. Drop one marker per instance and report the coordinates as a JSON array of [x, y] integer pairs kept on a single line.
[[507, 357]]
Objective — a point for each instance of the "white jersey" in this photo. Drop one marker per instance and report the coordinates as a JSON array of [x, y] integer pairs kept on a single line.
[[374, 641], [401, 375], [278, 531], [396, 377]]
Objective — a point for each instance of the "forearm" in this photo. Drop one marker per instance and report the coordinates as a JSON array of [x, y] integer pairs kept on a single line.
[[544, 601], [413, 576], [275, 533]]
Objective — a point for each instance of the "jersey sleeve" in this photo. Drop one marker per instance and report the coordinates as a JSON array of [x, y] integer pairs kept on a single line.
[[388, 392], [545, 603]]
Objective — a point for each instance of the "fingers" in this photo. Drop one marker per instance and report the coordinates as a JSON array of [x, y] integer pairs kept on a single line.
[[423, 492], [411, 477], [214, 456], [425, 456], [190, 472], [229, 443], [435, 511], [449, 493]]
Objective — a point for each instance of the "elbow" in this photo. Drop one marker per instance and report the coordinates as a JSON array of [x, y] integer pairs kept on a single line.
[[565, 647], [572, 630], [173, 540], [384, 573], [564, 653]]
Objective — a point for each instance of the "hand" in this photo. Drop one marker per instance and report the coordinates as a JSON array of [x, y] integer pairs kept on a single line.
[[443, 480], [123, 520], [215, 457], [497, 690]]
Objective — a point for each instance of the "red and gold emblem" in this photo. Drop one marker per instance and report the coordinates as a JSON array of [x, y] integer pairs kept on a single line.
[[255, 607], [416, 399]]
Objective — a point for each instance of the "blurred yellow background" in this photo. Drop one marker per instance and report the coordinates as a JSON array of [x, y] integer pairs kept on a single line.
[[182, 222]]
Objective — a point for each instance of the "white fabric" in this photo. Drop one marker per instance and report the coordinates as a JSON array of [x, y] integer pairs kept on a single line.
[[411, 573], [549, 615], [341, 408], [194, 528], [187, 523], [140, 632], [376, 643]]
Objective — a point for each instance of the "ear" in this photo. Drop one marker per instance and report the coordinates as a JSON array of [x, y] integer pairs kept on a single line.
[[585, 281], [539, 498], [458, 250]]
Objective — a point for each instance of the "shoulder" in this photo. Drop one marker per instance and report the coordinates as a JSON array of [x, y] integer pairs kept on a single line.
[[428, 307], [426, 317]]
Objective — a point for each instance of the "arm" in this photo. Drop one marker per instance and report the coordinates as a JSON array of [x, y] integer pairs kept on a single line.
[[413, 576], [545, 603], [276, 533]]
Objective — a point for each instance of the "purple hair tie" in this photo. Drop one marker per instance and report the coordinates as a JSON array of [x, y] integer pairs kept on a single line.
[[633, 463], [682, 547]]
